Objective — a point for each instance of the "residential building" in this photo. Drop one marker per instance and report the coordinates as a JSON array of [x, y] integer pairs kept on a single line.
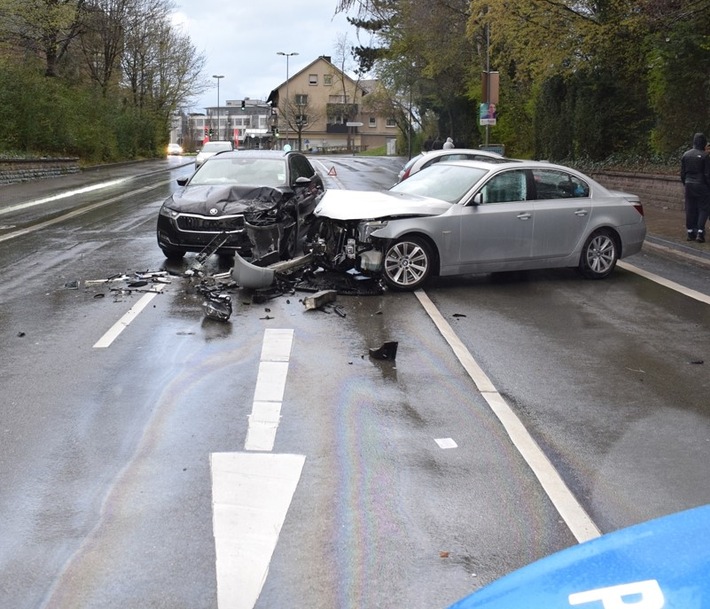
[[320, 108]]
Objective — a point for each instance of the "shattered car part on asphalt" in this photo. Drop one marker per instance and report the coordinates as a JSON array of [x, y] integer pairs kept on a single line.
[[218, 307], [387, 351]]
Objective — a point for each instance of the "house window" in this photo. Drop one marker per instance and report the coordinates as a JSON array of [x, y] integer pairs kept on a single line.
[[391, 122], [313, 79], [373, 121], [301, 99], [338, 99], [327, 80]]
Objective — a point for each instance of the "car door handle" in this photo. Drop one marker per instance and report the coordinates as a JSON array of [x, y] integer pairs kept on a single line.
[[524, 216], [581, 212]]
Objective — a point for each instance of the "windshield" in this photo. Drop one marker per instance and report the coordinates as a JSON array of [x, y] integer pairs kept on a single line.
[[216, 146], [236, 170], [441, 181]]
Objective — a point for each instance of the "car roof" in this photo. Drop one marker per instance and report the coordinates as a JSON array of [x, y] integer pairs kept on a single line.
[[442, 151], [259, 154], [519, 164]]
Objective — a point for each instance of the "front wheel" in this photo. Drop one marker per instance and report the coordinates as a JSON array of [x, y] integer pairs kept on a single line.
[[408, 263], [599, 255], [172, 253]]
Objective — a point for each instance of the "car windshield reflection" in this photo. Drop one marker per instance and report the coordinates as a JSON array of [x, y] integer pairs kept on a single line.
[[262, 172], [442, 181]]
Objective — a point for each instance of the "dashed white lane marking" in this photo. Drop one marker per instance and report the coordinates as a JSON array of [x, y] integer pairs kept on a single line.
[[252, 491], [270, 386], [574, 515], [122, 324], [665, 282], [251, 494]]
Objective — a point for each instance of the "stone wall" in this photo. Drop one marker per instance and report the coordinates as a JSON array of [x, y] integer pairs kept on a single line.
[[24, 170], [662, 191]]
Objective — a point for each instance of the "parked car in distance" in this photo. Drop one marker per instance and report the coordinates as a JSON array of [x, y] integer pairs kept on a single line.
[[465, 217], [260, 202], [210, 149], [174, 149], [425, 159]]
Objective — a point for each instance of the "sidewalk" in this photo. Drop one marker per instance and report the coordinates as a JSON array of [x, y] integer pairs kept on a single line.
[[666, 234]]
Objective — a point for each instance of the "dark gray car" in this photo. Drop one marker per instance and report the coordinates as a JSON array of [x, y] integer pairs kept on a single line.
[[259, 203]]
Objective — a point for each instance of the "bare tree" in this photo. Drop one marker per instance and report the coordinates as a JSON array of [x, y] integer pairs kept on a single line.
[[45, 27]]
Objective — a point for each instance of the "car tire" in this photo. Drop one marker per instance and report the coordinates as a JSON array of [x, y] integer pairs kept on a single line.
[[172, 253], [408, 263], [599, 255]]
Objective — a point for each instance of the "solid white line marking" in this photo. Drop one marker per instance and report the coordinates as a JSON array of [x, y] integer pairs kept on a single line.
[[76, 212], [251, 494], [122, 324], [665, 282], [578, 521], [64, 195]]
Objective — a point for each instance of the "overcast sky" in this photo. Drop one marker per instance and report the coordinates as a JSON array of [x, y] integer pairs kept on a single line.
[[241, 38]]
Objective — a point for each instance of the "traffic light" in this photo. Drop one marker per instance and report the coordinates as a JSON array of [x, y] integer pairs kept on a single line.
[[206, 131], [244, 104], [211, 132]]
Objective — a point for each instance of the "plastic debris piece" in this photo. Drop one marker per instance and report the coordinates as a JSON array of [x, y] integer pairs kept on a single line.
[[388, 351], [319, 299], [218, 307]]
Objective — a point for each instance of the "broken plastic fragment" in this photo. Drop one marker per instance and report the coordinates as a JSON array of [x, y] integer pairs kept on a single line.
[[248, 275], [218, 307], [387, 351], [319, 299]]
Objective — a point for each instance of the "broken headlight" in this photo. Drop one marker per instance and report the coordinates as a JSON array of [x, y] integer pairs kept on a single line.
[[365, 229]]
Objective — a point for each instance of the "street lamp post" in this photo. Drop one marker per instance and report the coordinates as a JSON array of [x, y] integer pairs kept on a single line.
[[218, 76], [286, 55]]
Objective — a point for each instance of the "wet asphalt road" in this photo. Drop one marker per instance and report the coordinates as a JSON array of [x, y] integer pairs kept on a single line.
[[105, 456]]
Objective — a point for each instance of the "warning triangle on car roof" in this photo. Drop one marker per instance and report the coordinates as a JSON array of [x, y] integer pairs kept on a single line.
[[332, 171]]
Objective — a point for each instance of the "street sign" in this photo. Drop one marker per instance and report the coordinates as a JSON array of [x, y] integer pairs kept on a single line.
[[353, 124]]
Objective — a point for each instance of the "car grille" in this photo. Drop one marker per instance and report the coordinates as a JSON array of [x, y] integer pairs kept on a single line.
[[212, 225]]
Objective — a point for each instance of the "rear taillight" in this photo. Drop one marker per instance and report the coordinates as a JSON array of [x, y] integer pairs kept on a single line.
[[639, 208]]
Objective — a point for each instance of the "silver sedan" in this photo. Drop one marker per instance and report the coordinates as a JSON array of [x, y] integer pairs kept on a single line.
[[465, 217]]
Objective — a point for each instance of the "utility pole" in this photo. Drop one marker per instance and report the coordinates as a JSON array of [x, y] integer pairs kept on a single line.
[[286, 55]]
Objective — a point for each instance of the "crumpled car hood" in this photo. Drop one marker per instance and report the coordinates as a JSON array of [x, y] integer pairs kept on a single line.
[[368, 205], [227, 199]]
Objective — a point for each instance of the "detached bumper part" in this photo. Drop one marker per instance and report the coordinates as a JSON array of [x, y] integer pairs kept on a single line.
[[248, 275]]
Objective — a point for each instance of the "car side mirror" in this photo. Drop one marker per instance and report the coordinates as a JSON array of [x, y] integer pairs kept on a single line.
[[302, 181], [182, 181], [477, 199]]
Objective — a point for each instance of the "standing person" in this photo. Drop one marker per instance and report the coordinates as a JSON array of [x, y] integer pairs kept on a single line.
[[695, 175], [448, 144]]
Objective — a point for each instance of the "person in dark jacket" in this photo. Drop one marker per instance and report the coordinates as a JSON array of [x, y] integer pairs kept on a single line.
[[695, 175]]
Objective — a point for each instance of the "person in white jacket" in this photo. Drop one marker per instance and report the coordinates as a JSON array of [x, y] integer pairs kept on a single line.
[[449, 143]]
